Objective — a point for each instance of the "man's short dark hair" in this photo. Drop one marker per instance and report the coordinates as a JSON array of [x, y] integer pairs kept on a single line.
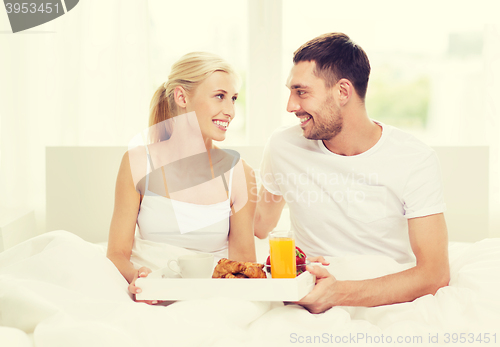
[[336, 57]]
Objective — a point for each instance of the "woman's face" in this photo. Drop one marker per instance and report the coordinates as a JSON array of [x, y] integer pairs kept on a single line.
[[213, 102]]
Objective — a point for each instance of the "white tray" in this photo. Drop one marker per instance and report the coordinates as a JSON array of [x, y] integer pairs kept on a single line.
[[277, 289]]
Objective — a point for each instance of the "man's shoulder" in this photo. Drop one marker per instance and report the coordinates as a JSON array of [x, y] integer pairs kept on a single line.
[[289, 139], [286, 133], [406, 143], [284, 136]]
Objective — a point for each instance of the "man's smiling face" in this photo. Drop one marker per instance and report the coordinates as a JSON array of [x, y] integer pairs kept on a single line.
[[313, 103]]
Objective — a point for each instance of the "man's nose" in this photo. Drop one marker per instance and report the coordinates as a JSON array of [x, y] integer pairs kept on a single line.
[[293, 105]]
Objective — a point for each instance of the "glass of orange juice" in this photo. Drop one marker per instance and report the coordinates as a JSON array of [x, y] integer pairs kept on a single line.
[[282, 249]]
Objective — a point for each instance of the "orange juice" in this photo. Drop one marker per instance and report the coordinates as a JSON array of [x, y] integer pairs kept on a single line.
[[282, 257]]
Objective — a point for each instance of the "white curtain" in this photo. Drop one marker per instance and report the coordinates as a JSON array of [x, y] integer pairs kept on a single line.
[[79, 80]]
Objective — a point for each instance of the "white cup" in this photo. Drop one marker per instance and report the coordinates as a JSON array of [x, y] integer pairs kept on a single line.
[[199, 265]]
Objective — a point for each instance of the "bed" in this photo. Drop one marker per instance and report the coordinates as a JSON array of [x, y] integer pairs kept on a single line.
[[59, 289]]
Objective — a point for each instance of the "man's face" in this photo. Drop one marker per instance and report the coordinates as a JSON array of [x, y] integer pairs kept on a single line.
[[314, 104]]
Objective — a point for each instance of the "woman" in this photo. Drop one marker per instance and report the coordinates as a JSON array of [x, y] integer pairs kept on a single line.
[[180, 189]]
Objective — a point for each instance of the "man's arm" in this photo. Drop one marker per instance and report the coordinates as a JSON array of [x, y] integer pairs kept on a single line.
[[429, 242], [241, 239], [268, 212]]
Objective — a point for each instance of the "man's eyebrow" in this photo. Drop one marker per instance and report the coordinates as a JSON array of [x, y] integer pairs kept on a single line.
[[298, 86]]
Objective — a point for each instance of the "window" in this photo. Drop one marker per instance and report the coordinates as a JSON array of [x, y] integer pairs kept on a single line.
[[426, 59], [218, 27]]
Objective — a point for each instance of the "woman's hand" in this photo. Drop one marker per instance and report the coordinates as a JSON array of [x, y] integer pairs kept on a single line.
[[142, 272]]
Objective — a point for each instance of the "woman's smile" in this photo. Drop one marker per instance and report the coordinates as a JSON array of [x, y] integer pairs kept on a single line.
[[221, 124]]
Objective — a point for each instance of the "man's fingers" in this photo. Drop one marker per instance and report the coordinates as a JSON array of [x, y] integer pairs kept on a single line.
[[319, 272], [319, 259], [313, 296], [314, 301]]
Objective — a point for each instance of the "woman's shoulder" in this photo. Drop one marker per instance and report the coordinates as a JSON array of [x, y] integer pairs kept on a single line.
[[134, 165]]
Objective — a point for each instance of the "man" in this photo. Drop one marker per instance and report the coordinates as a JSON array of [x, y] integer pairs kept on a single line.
[[353, 185]]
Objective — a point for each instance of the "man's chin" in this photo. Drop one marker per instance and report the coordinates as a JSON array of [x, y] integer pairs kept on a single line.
[[313, 136], [310, 136]]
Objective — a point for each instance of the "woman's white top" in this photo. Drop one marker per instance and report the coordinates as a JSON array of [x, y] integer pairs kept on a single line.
[[201, 228]]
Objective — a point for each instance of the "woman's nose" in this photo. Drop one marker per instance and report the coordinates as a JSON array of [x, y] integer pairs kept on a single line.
[[229, 109]]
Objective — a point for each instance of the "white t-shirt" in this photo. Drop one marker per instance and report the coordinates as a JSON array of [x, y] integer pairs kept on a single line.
[[346, 205]]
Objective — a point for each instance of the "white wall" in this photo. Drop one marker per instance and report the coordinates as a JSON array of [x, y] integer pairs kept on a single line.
[[86, 78], [89, 215]]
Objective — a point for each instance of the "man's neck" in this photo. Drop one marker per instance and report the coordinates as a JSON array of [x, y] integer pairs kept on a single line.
[[358, 135]]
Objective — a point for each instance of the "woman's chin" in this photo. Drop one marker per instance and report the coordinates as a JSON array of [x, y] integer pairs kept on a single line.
[[219, 138]]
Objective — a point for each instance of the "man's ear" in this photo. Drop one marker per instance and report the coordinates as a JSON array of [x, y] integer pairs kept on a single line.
[[180, 97], [345, 90]]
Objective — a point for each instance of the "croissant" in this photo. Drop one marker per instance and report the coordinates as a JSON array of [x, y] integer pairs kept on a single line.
[[238, 275], [237, 269], [254, 270], [226, 266]]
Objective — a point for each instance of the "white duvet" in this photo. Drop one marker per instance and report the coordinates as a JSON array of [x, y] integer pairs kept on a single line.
[[58, 290]]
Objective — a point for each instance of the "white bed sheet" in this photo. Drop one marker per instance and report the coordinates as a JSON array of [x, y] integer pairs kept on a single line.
[[58, 290]]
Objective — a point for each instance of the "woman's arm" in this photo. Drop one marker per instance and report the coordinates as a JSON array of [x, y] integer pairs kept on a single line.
[[122, 229], [244, 198]]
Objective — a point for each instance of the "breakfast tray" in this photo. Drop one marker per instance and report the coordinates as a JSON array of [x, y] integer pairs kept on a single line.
[[270, 289]]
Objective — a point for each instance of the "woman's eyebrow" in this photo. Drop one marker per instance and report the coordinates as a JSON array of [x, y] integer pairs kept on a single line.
[[224, 92]]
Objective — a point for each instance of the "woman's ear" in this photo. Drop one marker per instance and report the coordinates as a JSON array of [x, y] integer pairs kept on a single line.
[[180, 97], [345, 90]]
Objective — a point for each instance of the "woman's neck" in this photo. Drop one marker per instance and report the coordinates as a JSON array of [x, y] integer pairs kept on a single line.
[[208, 143], [186, 138]]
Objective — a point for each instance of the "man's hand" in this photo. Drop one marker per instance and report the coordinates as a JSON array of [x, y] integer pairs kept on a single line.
[[323, 296], [429, 242], [319, 259]]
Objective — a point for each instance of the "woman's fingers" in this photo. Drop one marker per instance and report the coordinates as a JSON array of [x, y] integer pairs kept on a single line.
[[149, 302], [141, 273], [144, 271], [133, 289]]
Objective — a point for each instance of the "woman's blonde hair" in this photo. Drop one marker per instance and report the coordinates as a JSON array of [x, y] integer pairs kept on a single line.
[[188, 72]]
